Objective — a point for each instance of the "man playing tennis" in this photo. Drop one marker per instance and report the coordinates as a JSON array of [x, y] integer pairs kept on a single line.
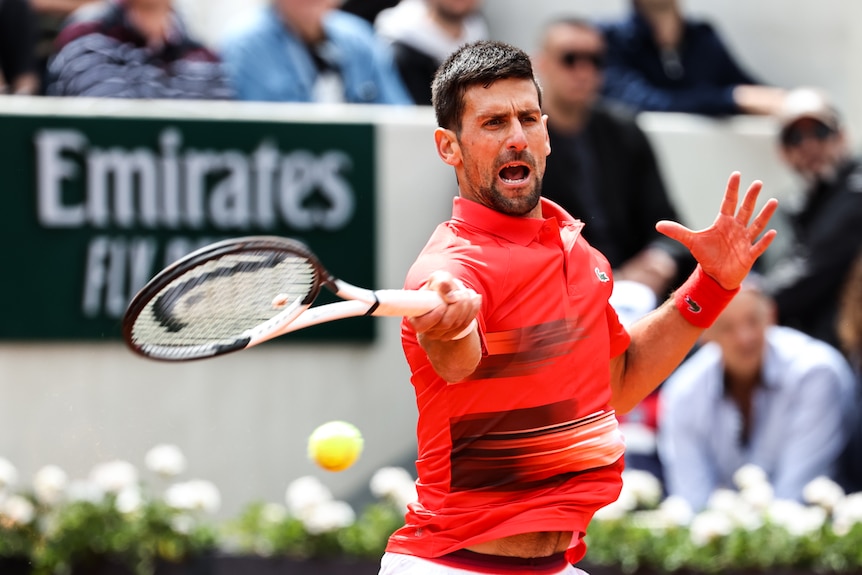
[[517, 438]]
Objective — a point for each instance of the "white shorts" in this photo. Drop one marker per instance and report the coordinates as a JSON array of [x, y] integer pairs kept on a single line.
[[400, 564]]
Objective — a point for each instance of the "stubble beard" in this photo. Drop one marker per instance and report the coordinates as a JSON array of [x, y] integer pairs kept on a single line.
[[519, 206]]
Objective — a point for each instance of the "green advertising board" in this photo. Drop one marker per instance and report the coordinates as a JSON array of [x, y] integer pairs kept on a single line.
[[93, 207]]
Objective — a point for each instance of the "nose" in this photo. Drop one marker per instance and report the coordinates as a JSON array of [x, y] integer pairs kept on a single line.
[[517, 139]]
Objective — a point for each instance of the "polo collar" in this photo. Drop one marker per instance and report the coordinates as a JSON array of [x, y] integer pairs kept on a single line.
[[518, 230]]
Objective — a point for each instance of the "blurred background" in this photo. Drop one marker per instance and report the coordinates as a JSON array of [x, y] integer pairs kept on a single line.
[[243, 420]]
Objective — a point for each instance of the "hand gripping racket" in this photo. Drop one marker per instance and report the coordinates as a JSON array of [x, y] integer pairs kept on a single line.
[[238, 293]]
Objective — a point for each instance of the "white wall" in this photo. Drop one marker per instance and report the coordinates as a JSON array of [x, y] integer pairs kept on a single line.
[[243, 419]]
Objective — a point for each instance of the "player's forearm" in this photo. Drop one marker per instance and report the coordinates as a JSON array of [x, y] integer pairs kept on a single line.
[[456, 359], [659, 343]]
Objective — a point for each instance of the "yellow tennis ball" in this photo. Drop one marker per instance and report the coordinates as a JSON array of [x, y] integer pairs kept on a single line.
[[335, 445]]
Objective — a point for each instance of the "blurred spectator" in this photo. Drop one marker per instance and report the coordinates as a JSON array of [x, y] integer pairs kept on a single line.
[[307, 51], [424, 32], [602, 170], [133, 49], [824, 221], [849, 328], [367, 9], [755, 393], [50, 17], [18, 69], [659, 60]]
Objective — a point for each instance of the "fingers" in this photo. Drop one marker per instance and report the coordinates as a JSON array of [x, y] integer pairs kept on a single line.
[[454, 319], [731, 195], [749, 202], [675, 231], [759, 223], [760, 245]]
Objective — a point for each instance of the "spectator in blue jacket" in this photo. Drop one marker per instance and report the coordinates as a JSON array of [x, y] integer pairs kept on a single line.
[[661, 61], [308, 51]]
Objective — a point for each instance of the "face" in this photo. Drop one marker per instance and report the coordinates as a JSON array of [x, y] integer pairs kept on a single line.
[[740, 331], [812, 149], [455, 10], [570, 65], [499, 155]]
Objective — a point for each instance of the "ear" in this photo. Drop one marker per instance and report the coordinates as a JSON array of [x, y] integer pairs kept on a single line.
[[447, 146], [547, 136]]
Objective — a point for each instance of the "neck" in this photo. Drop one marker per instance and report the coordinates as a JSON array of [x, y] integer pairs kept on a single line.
[[666, 23]]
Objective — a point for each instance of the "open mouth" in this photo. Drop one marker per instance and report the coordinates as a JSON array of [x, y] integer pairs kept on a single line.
[[515, 173]]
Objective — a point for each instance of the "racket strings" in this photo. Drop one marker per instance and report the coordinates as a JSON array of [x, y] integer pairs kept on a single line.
[[217, 302]]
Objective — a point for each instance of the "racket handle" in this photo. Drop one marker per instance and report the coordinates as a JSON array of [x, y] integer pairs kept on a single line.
[[408, 303]]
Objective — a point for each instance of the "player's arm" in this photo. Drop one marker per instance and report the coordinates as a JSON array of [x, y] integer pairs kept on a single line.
[[448, 333], [725, 253]]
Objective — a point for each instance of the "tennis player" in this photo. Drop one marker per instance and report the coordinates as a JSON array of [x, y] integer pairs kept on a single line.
[[517, 436]]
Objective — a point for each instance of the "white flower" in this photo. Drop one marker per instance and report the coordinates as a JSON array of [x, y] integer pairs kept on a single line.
[[82, 490], [676, 510], [18, 510], [182, 524], [811, 520], [785, 513], [195, 495], [709, 525], [652, 519], [166, 460], [49, 484], [8, 474], [114, 476], [389, 481], [847, 513], [644, 486], [129, 500], [305, 492], [328, 516], [758, 495], [823, 491], [724, 500], [749, 475]]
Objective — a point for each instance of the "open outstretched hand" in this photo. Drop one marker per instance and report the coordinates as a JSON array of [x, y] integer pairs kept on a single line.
[[728, 248]]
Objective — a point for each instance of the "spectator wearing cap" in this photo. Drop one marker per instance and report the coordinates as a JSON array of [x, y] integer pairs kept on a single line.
[[823, 220], [754, 393]]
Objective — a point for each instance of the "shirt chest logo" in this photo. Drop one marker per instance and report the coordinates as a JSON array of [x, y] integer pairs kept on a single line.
[[603, 277]]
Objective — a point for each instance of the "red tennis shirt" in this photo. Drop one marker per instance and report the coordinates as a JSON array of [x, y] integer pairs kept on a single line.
[[528, 442]]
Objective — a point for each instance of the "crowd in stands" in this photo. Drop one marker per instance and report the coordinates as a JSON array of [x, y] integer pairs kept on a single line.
[[775, 382]]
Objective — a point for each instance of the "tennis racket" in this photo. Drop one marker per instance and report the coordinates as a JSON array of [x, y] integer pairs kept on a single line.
[[238, 293]]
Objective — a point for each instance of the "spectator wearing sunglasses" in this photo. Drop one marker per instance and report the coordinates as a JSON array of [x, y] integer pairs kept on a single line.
[[659, 60], [824, 221], [602, 167], [603, 171]]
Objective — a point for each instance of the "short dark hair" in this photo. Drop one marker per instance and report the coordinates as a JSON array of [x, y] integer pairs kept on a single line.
[[479, 63]]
